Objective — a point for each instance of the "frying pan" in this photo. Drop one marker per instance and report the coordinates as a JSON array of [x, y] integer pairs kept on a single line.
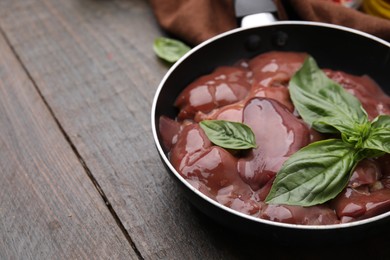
[[333, 47]]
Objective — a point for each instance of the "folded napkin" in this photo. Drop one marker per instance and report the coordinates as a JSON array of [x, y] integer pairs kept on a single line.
[[194, 21]]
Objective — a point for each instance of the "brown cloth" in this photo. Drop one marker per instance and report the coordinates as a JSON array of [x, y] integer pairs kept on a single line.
[[194, 21]]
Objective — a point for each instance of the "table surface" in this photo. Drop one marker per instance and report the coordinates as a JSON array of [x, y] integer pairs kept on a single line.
[[80, 176]]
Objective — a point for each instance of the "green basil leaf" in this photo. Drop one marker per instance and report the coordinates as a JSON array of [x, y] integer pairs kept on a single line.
[[320, 171], [379, 135], [314, 174], [230, 135], [169, 50], [323, 103]]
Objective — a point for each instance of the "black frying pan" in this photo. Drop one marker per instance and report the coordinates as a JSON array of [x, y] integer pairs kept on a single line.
[[334, 47]]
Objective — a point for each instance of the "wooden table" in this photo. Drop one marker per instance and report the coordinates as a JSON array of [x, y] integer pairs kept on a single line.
[[79, 173]]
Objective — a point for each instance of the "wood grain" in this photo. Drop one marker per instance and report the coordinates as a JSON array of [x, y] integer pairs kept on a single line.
[[93, 63], [49, 207]]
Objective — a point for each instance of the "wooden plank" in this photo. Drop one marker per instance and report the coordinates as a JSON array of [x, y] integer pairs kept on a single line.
[[94, 65], [49, 207]]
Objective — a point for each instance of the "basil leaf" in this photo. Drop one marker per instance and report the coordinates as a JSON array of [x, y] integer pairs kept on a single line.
[[314, 174], [230, 135], [320, 171], [169, 50], [323, 103], [379, 135]]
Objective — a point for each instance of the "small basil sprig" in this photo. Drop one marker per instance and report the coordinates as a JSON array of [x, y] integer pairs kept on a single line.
[[227, 134], [169, 49], [379, 135], [321, 170]]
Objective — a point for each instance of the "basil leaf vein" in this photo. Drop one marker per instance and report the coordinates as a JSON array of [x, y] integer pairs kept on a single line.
[[314, 174], [323, 103]]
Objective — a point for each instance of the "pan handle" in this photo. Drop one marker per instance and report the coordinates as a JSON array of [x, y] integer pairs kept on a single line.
[[258, 19], [254, 12]]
